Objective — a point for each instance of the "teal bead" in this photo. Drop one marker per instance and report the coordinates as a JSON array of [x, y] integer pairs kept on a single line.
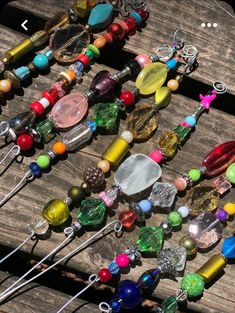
[[100, 15], [49, 54], [228, 248], [171, 64], [191, 120], [137, 17], [22, 72], [41, 61]]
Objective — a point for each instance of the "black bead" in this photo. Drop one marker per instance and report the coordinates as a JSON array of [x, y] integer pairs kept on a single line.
[[134, 67], [76, 194]]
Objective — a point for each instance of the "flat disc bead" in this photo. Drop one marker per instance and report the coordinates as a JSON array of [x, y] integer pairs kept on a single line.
[[180, 183], [100, 42]]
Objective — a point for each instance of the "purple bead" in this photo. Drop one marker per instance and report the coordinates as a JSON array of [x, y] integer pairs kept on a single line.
[[104, 86], [222, 215]]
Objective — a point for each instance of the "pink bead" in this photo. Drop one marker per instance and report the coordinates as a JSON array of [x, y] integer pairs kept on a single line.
[[123, 25], [109, 202], [156, 156], [180, 184], [122, 260], [143, 60]]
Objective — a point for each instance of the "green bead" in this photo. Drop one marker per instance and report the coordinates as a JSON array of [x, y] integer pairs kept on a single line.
[[193, 284], [95, 50], [150, 239], [106, 115], [92, 212], [90, 54], [170, 305], [174, 219], [195, 175], [76, 194], [43, 161], [44, 131], [56, 212], [182, 132], [230, 173]]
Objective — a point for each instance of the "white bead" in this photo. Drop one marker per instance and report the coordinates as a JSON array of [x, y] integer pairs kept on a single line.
[[184, 211], [126, 135], [44, 102], [66, 76]]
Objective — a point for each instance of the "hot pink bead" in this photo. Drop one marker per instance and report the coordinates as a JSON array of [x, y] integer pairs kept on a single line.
[[180, 184], [122, 260], [109, 202], [156, 156], [143, 60]]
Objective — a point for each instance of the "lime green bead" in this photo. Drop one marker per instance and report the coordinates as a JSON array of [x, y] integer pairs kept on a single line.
[[195, 175], [43, 161], [95, 50], [230, 173], [56, 212], [90, 54], [193, 284], [175, 219]]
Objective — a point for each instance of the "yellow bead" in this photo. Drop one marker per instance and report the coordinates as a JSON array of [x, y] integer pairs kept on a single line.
[[168, 142], [230, 208], [212, 267], [163, 97], [151, 78], [173, 84], [116, 151], [5, 85], [56, 212], [19, 50], [104, 165]]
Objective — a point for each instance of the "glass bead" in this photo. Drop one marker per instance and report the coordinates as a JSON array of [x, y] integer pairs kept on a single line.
[[167, 228], [228, 248], [77, 136], [104, 166], [76, 71], [82, 8], [230, 173], [145, 206], [100, 16], [59, 87], [184, 211], [122, 260], [168, 142], [172, 260], [100, 42], [222, 184], [193, 284], [127, 218], [44, 131], [25, 142], [106, 115], [56, 212], [59, 148], [114, 268], [173, 84], [190, 120], [94, 50], [189, 244], [104, 275], [149, 279], [49, 54], [116, 31], [162, 97], [170, 305], [22, 121], [127, 136], [143, 60], [90, 54], [230, 208], [129, 294], [41, 61], [131, 23], [180, 184], [57, 21], [194, 175], [156, 156], [115, 306], [13, 78], [222, 215], [150, 239], [127, 97], [175, 219], [35, 169], [163, 195], [43, 161], [92, 212], [137, 17], [40, 225]]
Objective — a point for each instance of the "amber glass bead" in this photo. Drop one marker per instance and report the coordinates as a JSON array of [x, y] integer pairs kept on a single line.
[[56, 212], [168, 142], [127, 219], [57, 21], [39, 38]]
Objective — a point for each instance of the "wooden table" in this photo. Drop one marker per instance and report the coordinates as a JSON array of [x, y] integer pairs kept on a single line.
[[216, 61]]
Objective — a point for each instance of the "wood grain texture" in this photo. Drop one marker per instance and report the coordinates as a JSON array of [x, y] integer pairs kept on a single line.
[[212, 129]]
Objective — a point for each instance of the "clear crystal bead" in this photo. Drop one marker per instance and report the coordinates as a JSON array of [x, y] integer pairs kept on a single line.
[[163, 195]]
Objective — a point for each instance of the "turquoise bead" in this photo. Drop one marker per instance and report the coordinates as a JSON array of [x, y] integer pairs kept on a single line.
[[100, 15], [171, 64], [228, 248], [22, 72], [191, 120], [41, 61], [137, 17], [49, 54]]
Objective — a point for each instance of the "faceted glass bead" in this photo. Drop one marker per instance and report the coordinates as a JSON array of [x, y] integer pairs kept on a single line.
[[106, 115], [40, 225], [68, 42], [22, 121], [100, 16], [150, 239], [127, 219], [228, 248], [170, 305], [151, 78], [44, 131], [69, 110], [77, 136], [203, 199], [172, 260], [206, 230], [82, 8], [56, 212], [128, 294], [92, 212], [57, 21], [222, 184], [182, 132], [137, 173], [142, 121], [162, 97], [163, 195], [149, 279], [168, 142], [219, 158], [39, 38], [193, 284]]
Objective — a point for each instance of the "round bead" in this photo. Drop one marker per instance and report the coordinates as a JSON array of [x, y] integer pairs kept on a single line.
[[145, 206], [114, 268], [5, 85], [115, 306], [100, 42], [104, 275], [193, 283], [184, 211], [230, 173], [180, 184], [143, 60], [41, 61], [137, 17], [190, 120], [129, 294], [25, 142], [230, 208], [127, 218], [95, 50], [59, 148], [222, 215], [127, 97], [175, 219], [37, 107], [104, 165], [35, 169], [131, 23], [43, 161], [127, 136], [83, 58], [194, 175], [166, 227], [116, 31], [189, 244], [122, 260], [156, 156], [173, 84], [76, 194]]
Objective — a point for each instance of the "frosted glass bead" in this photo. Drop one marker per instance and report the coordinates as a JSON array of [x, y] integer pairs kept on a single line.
[[184, 211], [126, 135]]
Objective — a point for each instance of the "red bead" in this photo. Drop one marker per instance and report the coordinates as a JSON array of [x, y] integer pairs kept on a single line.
[[116, 31], [131, 23], [37, 107], [127, 218], [84, 59], [25, 142], [104, 275], [142, 13], [127, 97], [51, 96]]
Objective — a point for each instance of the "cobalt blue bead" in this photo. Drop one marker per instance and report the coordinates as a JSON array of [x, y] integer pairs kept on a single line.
[[41, 61], [35, 169], [171, 64], [137, 17], [228, 248], [114, 268], [129, 294], [22, 72], [191, 120], [115, 306], [149, 278], [145, 206]]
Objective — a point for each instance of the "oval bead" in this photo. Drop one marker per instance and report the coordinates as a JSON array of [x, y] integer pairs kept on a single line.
[[163, 97], [151, 78]]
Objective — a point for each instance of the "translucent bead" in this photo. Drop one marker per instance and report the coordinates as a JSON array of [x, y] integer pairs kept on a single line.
[[114, 268], [126, 135], [129, 294], [168, 142], [175, 219], [39, 225], [184, 211], [150, 239], [92, 212], [22, 121], [162, 97], [77, 136], [76, 71], [149, 279], [228, 248], [127, 219], [57, 21], [56, 212]]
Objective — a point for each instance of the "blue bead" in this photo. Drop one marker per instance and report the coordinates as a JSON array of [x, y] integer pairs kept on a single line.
[[228, 248], [35, 169], [145, 206], [171, 64], [149, 278], [137, 17], [129, 294], [114, 268], [22, 72], [49, 54], [92, 125], [100, 15], [41, 61], [80, 66], [191, 120], [115, 306]]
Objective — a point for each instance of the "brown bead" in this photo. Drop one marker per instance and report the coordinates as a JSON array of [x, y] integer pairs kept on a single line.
[[127, 218], [94, 177], [116, 31]]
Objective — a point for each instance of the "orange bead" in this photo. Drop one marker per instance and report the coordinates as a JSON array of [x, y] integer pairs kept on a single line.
[[173, 84], [104, 166], [100, 42], [127, 218], [59, 148], [71, 74], [5, 85]]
